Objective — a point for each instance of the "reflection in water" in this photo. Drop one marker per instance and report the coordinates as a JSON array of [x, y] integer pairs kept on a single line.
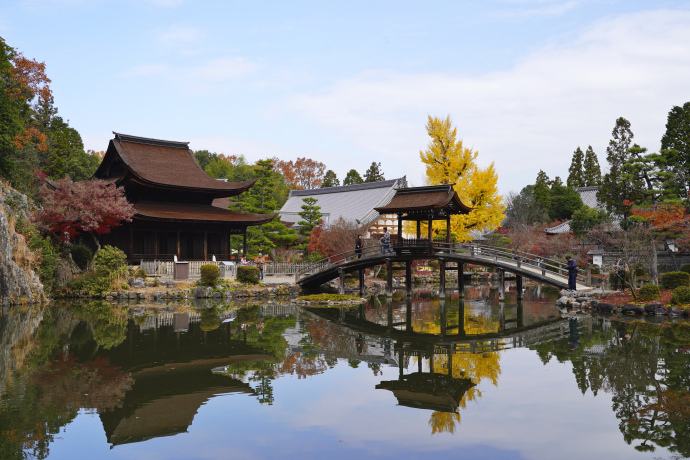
[[146, 373]]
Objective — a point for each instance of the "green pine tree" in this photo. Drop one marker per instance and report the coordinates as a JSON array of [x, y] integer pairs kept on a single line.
[[353, 177], [576, 176], [374, 173], [592, 171], [330, 179]]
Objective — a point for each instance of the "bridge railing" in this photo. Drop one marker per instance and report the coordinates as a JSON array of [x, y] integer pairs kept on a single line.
[[480, 252]]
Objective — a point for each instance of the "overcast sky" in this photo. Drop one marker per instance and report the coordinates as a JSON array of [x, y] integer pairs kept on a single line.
[[351, 82]]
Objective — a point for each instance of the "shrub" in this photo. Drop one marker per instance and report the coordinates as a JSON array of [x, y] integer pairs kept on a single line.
[[81, 255], [209, 274], [672, 280], [685, 268], [383, 274], [141, 273], [112, 260], [681, 295], [595, 270], [640, 271], [248, 274], [649, 292]]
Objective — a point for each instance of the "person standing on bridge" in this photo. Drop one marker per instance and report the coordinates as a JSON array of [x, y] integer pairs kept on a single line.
[[572, 273], [358, 246], [386, 241]]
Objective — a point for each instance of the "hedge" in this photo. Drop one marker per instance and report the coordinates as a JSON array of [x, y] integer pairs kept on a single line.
[[672, 280], [248, 274]]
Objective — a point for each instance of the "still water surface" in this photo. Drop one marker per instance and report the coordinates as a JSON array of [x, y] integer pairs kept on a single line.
[[402, 378]]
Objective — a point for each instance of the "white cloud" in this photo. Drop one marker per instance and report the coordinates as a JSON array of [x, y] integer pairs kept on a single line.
[[178, 35], [532, 116]]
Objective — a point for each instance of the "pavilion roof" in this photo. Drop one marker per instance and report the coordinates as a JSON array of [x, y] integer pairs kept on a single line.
[[438, 200], [156, 162], [153, 210]]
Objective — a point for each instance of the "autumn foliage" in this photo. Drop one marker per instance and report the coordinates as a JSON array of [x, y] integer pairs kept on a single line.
[[88, 206], [303, 173]]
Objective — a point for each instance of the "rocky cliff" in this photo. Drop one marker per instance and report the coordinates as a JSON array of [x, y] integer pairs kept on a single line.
[[19, 283]]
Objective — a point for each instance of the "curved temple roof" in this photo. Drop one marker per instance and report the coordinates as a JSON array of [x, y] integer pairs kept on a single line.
[[441, 200], [162, 163]]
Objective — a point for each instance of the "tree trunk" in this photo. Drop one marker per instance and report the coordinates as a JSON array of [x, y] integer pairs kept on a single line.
[[654, 264]]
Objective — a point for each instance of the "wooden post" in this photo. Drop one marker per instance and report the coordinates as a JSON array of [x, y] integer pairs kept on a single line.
[[461, 279], [226, 242], [501, 284], [205, 245], [389, 284], [361, 281], [408, 316], [131, 242], [461, 318], [244, 244], [341, 274], [448, 232], [155, 244], [419, 229], [518, 279], [442, 278], [179, 256], [442, 312], [400, 231], [408, 277]]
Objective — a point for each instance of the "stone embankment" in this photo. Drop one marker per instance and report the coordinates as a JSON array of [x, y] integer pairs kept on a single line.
[[236, 291], [590, 302], [18, 281]]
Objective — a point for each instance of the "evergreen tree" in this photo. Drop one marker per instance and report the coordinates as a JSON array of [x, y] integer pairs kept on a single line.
[[542, 189], [614, 190], [592, 171], [564, 201], [374, 173], [576, 177], [330, 179], [353, 177], [675, 151], [310, 214]]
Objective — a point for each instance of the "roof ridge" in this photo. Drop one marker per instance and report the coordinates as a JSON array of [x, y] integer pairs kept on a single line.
[[147, 140], [345, 188]]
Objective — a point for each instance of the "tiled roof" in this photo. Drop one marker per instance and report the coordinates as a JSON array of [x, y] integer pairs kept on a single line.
[[351, 202], [589, 196], [162, 163], [195, 212], [425, 198]]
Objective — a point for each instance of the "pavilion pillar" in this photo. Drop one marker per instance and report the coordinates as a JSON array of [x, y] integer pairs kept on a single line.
[[179, 256], [155, 244], [361, 282], [442, 278], [518, 280], [205, 245], [130, 246], [408, 277], [419, 229], [244, 244], [461, 279], [448, 229], [341, 276], [226, 243], [408, 315], [501, 284], [389, 284], [400, 227]]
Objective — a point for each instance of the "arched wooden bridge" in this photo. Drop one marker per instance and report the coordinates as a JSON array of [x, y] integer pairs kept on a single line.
[[521, 264]]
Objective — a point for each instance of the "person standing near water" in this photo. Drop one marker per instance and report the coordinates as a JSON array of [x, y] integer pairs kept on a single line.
[[572, 273]]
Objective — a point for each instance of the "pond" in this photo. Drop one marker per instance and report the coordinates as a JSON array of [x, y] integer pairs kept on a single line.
[[396, 378]]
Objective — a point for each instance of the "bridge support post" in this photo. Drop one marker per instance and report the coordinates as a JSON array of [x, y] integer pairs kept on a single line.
[[461, 279], [341, 275], [361, 282], [442, 278], [408, 277], [389, 283], [442, 313], [501, 284], [518, 280]]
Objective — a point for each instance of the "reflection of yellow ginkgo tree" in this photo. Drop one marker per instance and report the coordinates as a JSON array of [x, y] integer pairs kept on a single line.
[[475, 366]]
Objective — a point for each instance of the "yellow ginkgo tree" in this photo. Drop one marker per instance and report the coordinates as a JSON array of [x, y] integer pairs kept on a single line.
[[448, 161]]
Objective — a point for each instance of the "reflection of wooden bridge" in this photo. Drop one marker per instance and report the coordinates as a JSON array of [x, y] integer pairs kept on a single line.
[[406, 251]]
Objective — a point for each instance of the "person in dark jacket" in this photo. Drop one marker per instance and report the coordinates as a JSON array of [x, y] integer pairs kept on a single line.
[[572, 273], [358, 246]]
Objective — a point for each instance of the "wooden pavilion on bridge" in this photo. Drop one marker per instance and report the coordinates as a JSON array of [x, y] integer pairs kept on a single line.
[[180, 210], [424, 204]]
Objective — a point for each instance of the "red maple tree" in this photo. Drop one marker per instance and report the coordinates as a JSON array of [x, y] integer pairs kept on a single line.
[[92, 206]]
